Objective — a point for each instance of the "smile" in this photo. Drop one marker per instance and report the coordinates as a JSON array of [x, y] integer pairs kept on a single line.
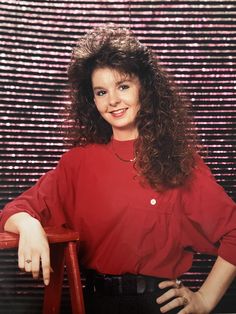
[[118, 113]]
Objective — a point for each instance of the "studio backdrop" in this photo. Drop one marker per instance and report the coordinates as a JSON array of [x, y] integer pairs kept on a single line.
[[194, 41]]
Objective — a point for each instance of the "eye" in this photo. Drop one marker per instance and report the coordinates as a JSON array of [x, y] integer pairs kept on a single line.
[[100, 93], [123, 86]]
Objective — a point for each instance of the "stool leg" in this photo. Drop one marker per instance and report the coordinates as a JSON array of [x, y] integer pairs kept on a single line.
[[52, 292], [73, 273]]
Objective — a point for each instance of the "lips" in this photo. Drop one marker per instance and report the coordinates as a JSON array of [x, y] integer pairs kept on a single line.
[[118, 113]]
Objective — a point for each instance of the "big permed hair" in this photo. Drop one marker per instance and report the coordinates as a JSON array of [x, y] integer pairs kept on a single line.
[[166, 144]]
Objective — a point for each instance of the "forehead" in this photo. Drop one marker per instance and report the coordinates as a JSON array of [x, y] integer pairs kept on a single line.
[[111, 74]]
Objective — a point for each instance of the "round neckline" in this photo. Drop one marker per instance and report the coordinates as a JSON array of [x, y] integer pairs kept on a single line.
[[122, 142], [124, 149]]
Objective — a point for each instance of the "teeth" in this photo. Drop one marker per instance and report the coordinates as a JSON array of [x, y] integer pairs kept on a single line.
[[118, 111]]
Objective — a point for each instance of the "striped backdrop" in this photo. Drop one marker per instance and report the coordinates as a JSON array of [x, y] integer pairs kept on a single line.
[[195, 42]]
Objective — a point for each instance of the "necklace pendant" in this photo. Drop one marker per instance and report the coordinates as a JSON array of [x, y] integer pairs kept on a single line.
[[125, 160], [121, 158]]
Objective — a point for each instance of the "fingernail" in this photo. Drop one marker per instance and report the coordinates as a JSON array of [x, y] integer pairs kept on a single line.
[[46, 282]]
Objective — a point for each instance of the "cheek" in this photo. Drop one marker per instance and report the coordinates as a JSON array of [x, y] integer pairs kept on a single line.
[[137, 104], [102, 109], [98, 104], [137, 99]]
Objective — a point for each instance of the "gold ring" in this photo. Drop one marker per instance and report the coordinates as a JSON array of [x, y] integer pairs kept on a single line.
[[178, 283], [28, 261], [185, 301]]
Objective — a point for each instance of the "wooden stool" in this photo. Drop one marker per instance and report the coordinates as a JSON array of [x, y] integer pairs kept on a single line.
[[63, 251]]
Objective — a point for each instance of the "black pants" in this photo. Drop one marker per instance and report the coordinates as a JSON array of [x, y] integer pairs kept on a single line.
[[96, 303]]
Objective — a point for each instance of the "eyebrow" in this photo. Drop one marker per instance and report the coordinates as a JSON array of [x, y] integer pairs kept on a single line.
[[117, 83]]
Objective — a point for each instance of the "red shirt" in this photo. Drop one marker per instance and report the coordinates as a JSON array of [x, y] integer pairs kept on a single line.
[[124, 226]]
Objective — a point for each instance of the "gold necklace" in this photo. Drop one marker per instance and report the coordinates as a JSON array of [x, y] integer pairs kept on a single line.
[[122, 159]]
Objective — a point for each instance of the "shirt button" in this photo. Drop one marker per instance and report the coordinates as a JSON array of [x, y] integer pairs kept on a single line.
[[153, 201]]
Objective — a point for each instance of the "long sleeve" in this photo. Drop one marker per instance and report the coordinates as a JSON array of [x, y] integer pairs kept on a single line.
[[44, 201], [210, 216]]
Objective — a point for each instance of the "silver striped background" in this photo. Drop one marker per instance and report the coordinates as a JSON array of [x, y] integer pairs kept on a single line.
[[194, 40]]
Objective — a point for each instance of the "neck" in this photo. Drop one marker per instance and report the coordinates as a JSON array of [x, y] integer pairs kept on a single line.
[[125, 136]]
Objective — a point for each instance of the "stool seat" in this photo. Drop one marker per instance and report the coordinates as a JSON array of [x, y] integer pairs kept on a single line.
[[63, 251]]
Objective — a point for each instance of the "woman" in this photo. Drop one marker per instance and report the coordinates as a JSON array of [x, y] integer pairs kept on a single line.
[[133, 186]]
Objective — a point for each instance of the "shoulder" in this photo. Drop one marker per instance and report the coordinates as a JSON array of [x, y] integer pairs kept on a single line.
[[202, 191], [79, 154], [201, 175]]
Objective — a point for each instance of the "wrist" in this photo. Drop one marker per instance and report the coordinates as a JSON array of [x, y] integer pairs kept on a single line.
[[208, 300], [20, 222], [27, 223]]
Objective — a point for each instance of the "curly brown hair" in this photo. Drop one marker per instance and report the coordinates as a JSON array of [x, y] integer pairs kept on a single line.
[[166, 145]]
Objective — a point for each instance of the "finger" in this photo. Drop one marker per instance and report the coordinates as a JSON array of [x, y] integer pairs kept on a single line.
[[35, 266], [23, 255], [28, 264], [46, 268], [185, 310], [177, 302], [21, 260], [167, 284], [170, 294]]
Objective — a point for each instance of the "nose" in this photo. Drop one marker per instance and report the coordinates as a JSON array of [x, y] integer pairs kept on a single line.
[[114, 99]]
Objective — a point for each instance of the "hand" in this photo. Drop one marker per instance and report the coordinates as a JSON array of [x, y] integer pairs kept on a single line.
[[180, 296], [33, 250]]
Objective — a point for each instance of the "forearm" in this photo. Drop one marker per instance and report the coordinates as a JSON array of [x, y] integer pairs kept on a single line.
[[19, 221], [217, 282]]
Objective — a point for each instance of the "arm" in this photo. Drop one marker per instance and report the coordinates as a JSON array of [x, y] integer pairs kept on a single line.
[[43, 201], [206, 298], [33, 244], [44, 204], [209, 221], [24, 216], [218, 281]]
